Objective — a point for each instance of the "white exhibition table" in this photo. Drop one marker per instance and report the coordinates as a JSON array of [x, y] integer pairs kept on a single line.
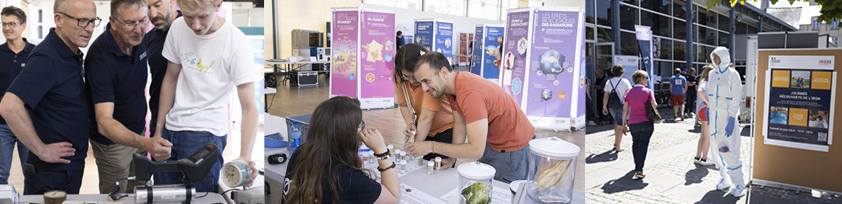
[[211, 198], [436, 185]]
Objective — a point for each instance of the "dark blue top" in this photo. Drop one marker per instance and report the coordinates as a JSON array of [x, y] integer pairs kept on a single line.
[[691, 89], [10, 65], [154, 40], [354, 186], [116, 77], [52, 86]]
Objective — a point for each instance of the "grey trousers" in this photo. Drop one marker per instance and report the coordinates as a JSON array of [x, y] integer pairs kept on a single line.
[[510, 166]]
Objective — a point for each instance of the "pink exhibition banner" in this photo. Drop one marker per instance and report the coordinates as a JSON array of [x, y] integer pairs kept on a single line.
[[377, 40], [344, 53]]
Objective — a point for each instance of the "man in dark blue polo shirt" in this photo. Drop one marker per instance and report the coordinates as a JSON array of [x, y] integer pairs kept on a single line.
[[162, 13], [52, 87], [116, 74], [13, 54]]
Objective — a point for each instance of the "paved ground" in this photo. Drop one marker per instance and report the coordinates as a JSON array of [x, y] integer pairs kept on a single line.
[[671, 175]]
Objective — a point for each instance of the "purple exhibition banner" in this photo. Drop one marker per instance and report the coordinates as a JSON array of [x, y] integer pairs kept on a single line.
[[344, 53], [444, 38], [552, 63], [514, 54], [580, 113], [377, 54], [424, 34]]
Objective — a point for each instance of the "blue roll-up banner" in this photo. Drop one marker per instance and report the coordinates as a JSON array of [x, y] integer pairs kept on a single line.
[[644, 41]]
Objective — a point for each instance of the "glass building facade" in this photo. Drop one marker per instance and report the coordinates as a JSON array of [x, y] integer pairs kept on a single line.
[[667, 19]]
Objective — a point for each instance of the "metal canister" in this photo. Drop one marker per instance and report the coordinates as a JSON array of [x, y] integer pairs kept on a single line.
[[164, 194]]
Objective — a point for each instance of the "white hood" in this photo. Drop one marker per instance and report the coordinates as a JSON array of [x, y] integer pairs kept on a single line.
[[724, 56]]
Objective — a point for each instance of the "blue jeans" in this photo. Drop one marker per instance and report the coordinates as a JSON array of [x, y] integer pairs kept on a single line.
[[641, 133], [7, 147], [185, 143], [589, 115], [617, 113]]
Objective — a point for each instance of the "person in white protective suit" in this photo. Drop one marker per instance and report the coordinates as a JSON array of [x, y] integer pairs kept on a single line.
[[724, 93]]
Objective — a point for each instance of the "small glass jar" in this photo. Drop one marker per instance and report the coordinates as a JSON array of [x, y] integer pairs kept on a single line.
[[403, 156], [396, 155], [438, 163], [403, 166], [420, 161], [371, 157], [363, 154], [552, 168], [430, 165], [475, 182]]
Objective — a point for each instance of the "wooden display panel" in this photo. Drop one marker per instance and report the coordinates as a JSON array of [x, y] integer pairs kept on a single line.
[[798, 167]]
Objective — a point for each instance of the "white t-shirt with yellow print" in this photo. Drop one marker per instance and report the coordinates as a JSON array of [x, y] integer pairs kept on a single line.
[[211, 66]]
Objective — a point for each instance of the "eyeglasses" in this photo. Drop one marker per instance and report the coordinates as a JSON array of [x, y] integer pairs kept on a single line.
[[133, 24], [84, 22], [10, 24], [407, 78], [362, 126]]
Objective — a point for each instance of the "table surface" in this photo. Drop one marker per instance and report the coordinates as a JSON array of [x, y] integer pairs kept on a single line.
[[436, 185], [209, 199], [275, 61]]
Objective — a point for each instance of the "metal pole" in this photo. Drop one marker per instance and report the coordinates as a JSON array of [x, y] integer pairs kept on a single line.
[[615, 25], [689, 46], [275, 31], [731, 29]]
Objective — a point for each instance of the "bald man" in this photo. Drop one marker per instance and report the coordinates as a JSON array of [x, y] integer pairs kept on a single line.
[[52, 89]]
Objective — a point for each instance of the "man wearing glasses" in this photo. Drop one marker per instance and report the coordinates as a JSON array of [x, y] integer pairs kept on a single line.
[[13, 56], [208, 57], [116, 74], [51, 86]]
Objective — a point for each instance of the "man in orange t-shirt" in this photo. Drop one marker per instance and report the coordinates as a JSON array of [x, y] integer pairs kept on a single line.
[[433, 118], [498, 132]]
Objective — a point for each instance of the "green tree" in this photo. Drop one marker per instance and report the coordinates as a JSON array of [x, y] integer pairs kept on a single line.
[[830, 9]]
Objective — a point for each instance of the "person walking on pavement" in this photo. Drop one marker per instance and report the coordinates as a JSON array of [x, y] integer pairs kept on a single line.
[[636, 121], [678, 86], [701, 105], [690, 96], [601, 119], [723, 107], [612, 102]]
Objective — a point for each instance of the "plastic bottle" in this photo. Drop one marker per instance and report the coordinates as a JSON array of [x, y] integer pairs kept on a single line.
[[294, 137]]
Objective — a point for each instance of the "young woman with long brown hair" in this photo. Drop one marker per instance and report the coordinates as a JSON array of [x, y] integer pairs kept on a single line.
[[326, 169]]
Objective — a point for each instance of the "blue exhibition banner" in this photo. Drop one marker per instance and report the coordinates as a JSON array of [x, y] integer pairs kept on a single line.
[[477, 50], [444, 38], [491, 62], [644, 41], [407, 39], [424, 34]]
